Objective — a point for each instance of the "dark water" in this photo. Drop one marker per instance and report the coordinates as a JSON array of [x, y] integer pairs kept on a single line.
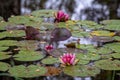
[[95, 10]]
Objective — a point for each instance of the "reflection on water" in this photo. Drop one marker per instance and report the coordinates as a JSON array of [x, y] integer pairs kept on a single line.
[[95, 10]]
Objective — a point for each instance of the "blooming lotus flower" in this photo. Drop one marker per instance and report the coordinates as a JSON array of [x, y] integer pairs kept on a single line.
[[48, 48], [68, 59], [60, 16]]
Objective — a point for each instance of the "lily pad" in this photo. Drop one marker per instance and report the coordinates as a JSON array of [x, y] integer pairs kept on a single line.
[[80, 34], [44, 13], [8, 43], [50, 60], [116, 55], [104, 50], [12, 33], [88, 56], [102, 33], [27, 72], [3, 48], [3, 24], [4, 66], [117, 38], [19, 19], [81, 71], [114, 46], [86, 24], [28, 55], [108, 64], [4, 55]]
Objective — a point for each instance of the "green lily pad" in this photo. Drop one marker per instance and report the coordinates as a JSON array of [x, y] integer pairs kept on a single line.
[[104, 50], [27, 72], [3, 48], [108, 64], [86, 24], [80, 34], [117, 38], [81, 71], [4, 66], [19, 19], [47, 26], [116, 55], [44, 13], [50, 60], [102, 33], [4, 55], [111, 24], [113, 46], [8, 43], [28, 55], [88, 56], [12, 33], [81, 61]]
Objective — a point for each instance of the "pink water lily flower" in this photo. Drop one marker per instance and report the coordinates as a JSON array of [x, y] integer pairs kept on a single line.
[[60, 16], [49, 48], [68, 59]]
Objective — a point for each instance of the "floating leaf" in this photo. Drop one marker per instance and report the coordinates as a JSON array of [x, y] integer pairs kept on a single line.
[[89, 24], [102, 33], [111, 24], [44, 13], [117, 38], [81, 71], [4, 55], [108, 64], [80, 34], [3, 48], [8, 43], [3, 24], [27, 72], [104, 50], [50, 60], [12, 33], [113, 46], [28, 55], [4, 66], [19, 19], [82, 61], [116, 55], [88, 56]]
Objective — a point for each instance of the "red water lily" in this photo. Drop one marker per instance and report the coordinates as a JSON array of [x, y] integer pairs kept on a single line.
[[68, 59], [60, 16], [48, 48]]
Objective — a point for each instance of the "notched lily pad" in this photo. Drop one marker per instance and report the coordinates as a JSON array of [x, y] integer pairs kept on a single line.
[[3, 48], [27, 72], [81, 71], [50, 60], [28, 55], [108, 64], [4, 66], [4, 55], [116, 55], [104, 50]]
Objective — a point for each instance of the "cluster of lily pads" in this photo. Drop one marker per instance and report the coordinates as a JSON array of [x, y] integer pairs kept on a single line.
[[27, 45]]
